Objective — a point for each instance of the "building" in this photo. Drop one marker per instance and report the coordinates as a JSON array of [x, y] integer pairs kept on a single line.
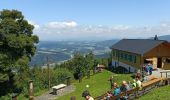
[[134, 53]]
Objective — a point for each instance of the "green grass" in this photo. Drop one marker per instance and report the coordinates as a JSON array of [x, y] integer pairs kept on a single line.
[[22, 97], [162, 93], [98, 84]]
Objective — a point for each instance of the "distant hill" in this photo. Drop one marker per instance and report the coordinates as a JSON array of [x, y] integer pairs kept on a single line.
[[108, 42], [164, 37], [59, 51]]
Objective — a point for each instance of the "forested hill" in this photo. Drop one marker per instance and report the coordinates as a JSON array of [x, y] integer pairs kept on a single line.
[[63, 50]]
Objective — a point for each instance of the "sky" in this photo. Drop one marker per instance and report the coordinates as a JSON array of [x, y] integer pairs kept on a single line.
[[56, 20]]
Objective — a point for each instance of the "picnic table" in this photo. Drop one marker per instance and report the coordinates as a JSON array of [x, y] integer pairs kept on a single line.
[[58, 87]]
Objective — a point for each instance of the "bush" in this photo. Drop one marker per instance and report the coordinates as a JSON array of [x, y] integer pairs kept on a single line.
[[60, 75]]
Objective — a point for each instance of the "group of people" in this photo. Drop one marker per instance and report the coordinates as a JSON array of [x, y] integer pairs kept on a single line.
[[126, 86], [148, 68]]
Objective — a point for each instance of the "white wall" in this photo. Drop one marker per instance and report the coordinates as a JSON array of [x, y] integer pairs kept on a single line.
[[115, 63]]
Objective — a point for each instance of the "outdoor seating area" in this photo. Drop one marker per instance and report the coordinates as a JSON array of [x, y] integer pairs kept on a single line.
[[146, 86]]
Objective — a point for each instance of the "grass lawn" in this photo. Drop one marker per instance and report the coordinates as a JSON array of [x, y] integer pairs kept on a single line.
[[98, 84], [162, 93]]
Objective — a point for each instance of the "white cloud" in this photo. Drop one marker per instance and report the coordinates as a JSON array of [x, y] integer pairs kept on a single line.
[[71, 30], [36, 26], [69, 24]]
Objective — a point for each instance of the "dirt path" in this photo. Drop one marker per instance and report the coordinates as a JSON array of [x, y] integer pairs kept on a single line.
[[49, 96]]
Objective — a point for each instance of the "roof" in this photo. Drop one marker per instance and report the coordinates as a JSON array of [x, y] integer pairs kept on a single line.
[[138, 46]]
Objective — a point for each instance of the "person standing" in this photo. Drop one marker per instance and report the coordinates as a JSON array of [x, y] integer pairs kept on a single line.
[[150, 68], [111, 82]]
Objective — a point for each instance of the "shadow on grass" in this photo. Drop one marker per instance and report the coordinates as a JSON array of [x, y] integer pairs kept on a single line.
[[118, 70]]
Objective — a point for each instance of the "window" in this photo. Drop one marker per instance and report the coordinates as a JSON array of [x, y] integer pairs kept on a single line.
[[130, 58], [134, 59], [114, 53], [126, 57], [117, 53], [121, 55]]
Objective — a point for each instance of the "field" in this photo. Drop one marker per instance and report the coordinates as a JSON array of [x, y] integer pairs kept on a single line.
[[162, 93], [98, 84]]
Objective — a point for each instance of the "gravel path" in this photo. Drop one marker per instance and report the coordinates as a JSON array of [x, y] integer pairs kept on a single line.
[[49, 96]]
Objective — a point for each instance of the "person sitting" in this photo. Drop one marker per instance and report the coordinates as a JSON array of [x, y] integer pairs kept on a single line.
[[134, 84], [87, 95], [109, 95], [124, 88], [116, 90], [146, 77], [138, 74], [139, 83]]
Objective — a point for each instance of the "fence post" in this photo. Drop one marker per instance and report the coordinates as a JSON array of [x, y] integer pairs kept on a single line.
[[14, 96], [31, 90], [68, 81]]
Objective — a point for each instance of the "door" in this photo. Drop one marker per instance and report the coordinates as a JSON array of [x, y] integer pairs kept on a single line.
[[159, 63]]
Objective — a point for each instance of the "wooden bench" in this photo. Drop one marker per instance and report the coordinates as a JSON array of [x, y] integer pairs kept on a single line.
[[133, 93], [101, 97], [151, 82], [152, 77], [58, 87]]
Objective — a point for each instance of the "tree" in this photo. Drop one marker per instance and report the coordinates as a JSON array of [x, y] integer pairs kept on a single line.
[[17, 42]]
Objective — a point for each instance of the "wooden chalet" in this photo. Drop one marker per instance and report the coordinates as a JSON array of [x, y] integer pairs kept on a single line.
[[134, 53]]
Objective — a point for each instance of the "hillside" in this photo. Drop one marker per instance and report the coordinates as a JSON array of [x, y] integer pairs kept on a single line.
[[98, 84], [63, 50]]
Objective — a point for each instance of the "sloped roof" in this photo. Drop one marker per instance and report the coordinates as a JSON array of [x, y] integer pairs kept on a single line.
[[138, 46]]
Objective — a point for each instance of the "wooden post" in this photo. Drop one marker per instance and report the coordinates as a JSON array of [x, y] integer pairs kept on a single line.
[[31, 90], [48, 67], [68, 81], [73, 98], [14, 96]]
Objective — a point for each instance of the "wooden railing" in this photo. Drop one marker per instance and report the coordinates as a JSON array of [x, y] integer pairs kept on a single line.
[[166, 72], [135, 93]]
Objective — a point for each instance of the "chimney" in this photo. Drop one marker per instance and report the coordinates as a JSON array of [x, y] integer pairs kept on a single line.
[[156, 37]]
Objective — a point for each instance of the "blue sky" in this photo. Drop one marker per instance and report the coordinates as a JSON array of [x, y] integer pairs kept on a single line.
[[93, 18]]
